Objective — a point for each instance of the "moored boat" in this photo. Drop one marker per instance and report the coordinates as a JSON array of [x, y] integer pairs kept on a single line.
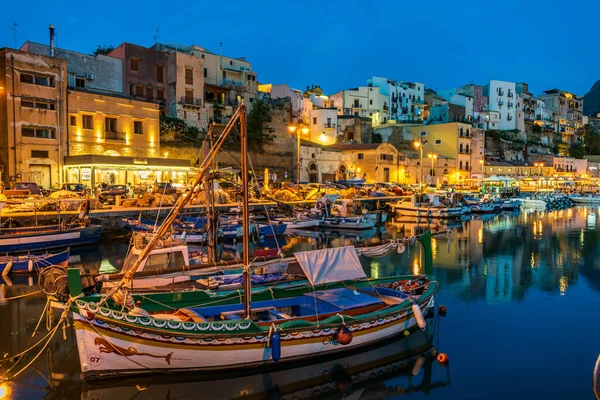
[[417, 206], [27, 263], [47, 237]]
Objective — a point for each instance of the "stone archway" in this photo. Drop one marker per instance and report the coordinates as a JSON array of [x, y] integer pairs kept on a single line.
[[342, 172], [313, 173]]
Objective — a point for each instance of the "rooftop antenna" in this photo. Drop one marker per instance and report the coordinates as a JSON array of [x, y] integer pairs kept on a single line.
[[14, 29], [156, 37]]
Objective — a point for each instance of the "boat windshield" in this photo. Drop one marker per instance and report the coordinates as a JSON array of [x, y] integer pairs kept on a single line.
[[156, 261]]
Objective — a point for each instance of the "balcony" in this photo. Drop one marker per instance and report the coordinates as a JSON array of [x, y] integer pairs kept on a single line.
[[464, 151], [510, 104], [357, 105], [385, 107], [510, 94], [120, 136], [231, 82], [329, 126], [191, 101], [500, 103], [500, 92]]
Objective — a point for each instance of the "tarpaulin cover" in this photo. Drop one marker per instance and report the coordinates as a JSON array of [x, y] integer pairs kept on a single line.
[[330, 265]]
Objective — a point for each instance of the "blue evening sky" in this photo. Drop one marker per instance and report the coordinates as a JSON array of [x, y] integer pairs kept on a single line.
[[339, 44]]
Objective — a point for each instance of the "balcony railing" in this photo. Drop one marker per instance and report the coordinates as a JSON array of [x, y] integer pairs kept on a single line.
[[114, 135], [510, 94], [500, 103], [330, 126], [510, 104], [500, 92], [357, 105], [231, 82], [191, 101]]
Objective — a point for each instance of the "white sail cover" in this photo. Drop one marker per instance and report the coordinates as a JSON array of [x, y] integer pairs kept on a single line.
[[330, 265]]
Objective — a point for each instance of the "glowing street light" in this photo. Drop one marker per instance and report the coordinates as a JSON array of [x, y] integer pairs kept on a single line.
[[432, 157], [299, 129]]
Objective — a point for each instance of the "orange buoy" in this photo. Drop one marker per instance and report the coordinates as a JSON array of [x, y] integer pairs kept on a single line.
[[442, 311], [442, 358], [344, 336], [138, 303]]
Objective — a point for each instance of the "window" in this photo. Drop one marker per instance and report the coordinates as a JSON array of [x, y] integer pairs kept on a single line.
[[189, 97], [230, 62], [37, 104], [189, 76], [386, 157], [149, 94], [39, 153], [134, 64], [361, 156], [159, 73], [139, 91], [73, 120], [205, 70], [80, 83], [370, 101], [37, 80], [87, 121], [160, 94], [423, 133], [314, 120], [164, 260], [110, 124], [328, 123], [41, 133], [438, 141], [138, 127]]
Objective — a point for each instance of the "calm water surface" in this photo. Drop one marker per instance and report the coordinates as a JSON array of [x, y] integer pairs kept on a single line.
[[522, 293]]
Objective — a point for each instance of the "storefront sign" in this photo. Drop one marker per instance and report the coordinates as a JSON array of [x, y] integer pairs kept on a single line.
[[85, 174], [142, 161]]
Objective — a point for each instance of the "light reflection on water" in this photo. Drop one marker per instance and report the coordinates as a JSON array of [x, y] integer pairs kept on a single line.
[[521, 290]]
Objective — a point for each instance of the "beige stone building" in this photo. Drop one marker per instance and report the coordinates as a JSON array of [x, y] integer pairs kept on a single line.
[[377, 162], [32, 117]]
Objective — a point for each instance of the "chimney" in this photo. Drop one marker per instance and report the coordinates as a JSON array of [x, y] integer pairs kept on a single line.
[[51, 27]]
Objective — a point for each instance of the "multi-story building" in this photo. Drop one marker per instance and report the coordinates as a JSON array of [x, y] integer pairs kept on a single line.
[[185, 90], [324, 163], [529, 102], [451, 140], [32, 117], [502, 97], [116, 140], [323, 125], [227, 80], [480, 102], [567, 111], [488, 120], [98, 73], [447, 112], [351, 129], [406, 99], [363, 101], [283, 91], [145, 72]]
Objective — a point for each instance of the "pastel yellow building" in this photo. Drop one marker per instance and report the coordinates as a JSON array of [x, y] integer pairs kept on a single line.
[[115, 140], [452, 141]]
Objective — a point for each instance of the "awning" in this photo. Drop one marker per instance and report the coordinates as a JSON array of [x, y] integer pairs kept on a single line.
[[122, 162], [330, 265]]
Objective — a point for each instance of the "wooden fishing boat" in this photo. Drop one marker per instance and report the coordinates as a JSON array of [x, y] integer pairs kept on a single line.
[[416, 206], [339, 310], [402, 359], [14, 240], [27, 263]]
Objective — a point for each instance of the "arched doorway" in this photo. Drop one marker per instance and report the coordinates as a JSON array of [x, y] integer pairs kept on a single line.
[[313, 173]]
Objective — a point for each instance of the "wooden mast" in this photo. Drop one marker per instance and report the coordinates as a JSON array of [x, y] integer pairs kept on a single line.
[[245, 213], [183, 200]]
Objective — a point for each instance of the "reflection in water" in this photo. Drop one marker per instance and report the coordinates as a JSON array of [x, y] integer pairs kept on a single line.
[[516, 281]]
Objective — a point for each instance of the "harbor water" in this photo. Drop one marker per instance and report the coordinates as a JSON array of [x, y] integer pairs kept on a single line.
[[521, 292]]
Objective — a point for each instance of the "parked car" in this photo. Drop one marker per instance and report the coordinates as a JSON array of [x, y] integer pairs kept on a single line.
[[27, 188], [78, 188], [164, 188], [108, 195]]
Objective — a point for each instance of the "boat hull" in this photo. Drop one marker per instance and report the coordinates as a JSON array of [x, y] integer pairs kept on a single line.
[[50, 239], [21, 265], [345, 223], [585, 200], [112, 343], [433, 212]]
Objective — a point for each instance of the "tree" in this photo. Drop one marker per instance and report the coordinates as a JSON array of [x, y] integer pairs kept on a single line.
[[591, 139], [178, 127], [259, 131], [576, 150], [376, 138], [104, 50]]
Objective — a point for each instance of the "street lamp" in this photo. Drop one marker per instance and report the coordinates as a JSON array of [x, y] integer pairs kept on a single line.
[[419, 145], [539, 165], [432, 157], [299, 130]]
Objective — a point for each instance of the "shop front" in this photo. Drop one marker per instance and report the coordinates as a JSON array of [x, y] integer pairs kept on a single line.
[[95, 170]]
